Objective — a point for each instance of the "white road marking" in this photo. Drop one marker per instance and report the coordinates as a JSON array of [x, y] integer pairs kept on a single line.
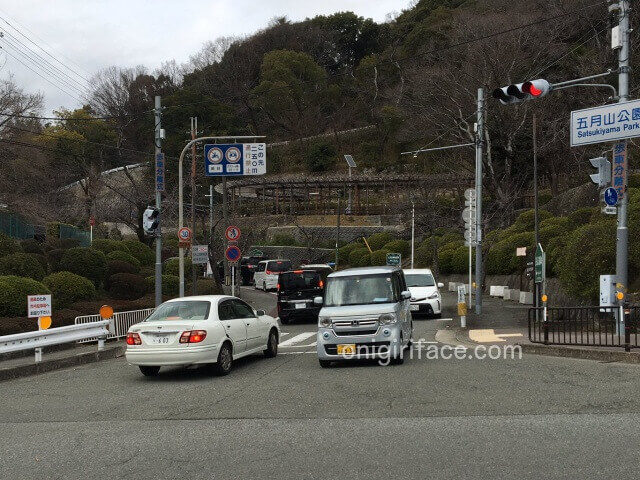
[[443, 319], [297, 339]]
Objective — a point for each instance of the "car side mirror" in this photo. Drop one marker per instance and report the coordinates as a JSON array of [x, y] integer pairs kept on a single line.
[[440, 285], [260, 313], [317, 300], [406, 295]]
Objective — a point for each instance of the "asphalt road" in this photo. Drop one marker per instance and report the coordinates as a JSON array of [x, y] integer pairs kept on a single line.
[[535, 417]]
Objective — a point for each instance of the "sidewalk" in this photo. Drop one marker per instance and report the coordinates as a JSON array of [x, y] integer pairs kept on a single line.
[[505, 322], [53, 360]]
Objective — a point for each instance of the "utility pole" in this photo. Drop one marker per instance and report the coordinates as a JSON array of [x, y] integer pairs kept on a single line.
[[338, 231], [413, 229], [622, 237], [536, 287], [479, 155], [158, 150], [194, 129], [225, 217]]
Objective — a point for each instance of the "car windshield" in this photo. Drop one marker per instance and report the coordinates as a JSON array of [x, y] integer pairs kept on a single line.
[[419, 280], [181, 310], [279, 266], [291, 281], [359, 290]]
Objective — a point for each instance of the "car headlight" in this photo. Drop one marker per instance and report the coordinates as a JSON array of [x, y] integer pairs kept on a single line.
[[324, 322], [433, 297], [387, 319]]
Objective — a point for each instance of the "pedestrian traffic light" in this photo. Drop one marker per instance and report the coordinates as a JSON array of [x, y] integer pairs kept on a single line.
[[603, 177], [151, 220], [521, 92]]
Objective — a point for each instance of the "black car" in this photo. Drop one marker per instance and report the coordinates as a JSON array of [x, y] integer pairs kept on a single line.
[[296, 291], [248, 266]]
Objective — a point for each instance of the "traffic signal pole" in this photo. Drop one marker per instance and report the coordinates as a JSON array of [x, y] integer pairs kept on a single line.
[[622, 237], [158, 282], [479, 155]]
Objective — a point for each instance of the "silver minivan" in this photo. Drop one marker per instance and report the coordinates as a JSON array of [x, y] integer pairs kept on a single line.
[[365, 314]]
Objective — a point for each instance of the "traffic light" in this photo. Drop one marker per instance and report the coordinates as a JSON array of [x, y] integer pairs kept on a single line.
[[151, 220], [521, 92], [603, 177]]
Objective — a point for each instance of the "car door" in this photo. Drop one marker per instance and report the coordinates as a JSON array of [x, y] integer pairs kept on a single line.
[[235, 328], [258, 277], [256, 336]]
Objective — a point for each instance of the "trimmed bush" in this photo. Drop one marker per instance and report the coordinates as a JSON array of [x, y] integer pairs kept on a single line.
[[67, 243], [13, 294], [22, 265], [107, 245], [124, 257], [206, 286], [343, 252], [364, 260], [118, 266], [424, 257], [526, 220], [580, 217], [142, 252], [42, 260], [172, 267], [53, 258], [126, 286], [379, 257], [170, 285], [378, 240], [8, 245], [87, 262], [398, 246], [460, 260], [67, 288], [354, 256], [31, 246]]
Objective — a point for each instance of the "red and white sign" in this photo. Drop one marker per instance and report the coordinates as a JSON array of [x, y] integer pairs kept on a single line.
[[232, 233], [39, 306], [184, 234], [92, 221]]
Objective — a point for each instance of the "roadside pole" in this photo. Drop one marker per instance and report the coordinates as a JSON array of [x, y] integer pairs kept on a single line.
[[338, 232], [225, 220], [194, 129], [479, 155], [413, 230], [622, 237], [158, 150], [536, 286]]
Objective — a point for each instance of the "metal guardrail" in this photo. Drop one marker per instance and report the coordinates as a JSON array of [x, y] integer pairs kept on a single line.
[[585, 326], [121, 322], [55, 336]]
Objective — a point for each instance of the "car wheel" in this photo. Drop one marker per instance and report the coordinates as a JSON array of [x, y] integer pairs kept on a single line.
[[225, 360], [438, 315], [410, 342], [285, 320], [264, 286], [149, 371], [325, 363], [272, 344], [398, 357]]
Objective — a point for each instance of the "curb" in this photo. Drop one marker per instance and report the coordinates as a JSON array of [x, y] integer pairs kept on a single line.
[[50, 365], [582, 353]]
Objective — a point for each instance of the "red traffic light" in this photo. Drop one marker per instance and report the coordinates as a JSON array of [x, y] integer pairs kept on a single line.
[[536, 88]]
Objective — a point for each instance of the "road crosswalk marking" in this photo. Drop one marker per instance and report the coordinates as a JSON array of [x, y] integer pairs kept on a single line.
[[298, 339]]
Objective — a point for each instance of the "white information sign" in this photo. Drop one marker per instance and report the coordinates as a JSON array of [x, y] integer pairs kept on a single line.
[[39, 306], [199, 254], [608, 123]]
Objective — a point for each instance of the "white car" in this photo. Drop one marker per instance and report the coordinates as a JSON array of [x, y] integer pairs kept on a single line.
[[210, 329], [267, 272], [425, 296]]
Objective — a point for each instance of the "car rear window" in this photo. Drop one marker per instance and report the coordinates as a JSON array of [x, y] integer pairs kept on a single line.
[[182, 310], [279, 266], [299, 280]]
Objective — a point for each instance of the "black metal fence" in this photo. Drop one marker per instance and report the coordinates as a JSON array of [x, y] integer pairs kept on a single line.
[[586, 326]]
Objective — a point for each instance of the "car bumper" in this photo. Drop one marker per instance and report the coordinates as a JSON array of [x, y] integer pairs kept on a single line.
[[299, 313], [189, 355], [378, 345], [426, 307]]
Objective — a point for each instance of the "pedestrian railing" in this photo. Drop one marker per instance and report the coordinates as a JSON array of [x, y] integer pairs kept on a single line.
[[586, 326], [122, 321]]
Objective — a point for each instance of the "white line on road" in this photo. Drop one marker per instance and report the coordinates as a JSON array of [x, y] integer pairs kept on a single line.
[[298, 338]]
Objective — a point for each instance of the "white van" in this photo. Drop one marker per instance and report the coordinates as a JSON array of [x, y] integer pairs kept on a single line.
[[267, 272]]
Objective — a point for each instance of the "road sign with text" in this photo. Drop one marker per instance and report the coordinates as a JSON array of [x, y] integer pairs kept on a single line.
[[608, 123], [233, 159]]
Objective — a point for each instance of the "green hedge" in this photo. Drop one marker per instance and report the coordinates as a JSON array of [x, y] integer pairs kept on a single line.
[[126, 286], [8, 245], [343, 252], [378, 240], [124, 257], [30, 245], [142, 252], [354, 256], [398, 246], [364, 260], [22, 265], [87, 262], [118, 266], [172, 267], [206, 286], [423, 256], [67, 288], [107, 245], [170, 285], [580, 217], [526, 220], [13, 294], [379, 257], [53, 258]]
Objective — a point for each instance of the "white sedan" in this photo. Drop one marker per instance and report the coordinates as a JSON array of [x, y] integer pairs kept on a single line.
[[209, 329]]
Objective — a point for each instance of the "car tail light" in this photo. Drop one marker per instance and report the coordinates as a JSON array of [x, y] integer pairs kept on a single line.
[[193, 336], [278, 287], [269, 272], [321, 284], [133, 339]]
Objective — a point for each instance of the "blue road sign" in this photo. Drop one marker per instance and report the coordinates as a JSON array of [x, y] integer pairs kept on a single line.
[[611, 196], [233, 253], [160, 172], [235, 159]]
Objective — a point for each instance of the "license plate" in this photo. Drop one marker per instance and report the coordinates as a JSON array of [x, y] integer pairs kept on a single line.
[[348, 349], [301, 305], [160, 339], [414, 308]]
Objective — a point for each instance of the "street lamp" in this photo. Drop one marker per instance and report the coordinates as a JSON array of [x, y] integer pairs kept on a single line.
[[352, 164]]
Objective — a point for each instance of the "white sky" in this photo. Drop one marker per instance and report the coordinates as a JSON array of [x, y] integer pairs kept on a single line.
[[88, 35]]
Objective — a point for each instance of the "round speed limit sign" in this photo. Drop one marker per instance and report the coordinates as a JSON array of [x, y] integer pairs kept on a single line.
[[184, 234]]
